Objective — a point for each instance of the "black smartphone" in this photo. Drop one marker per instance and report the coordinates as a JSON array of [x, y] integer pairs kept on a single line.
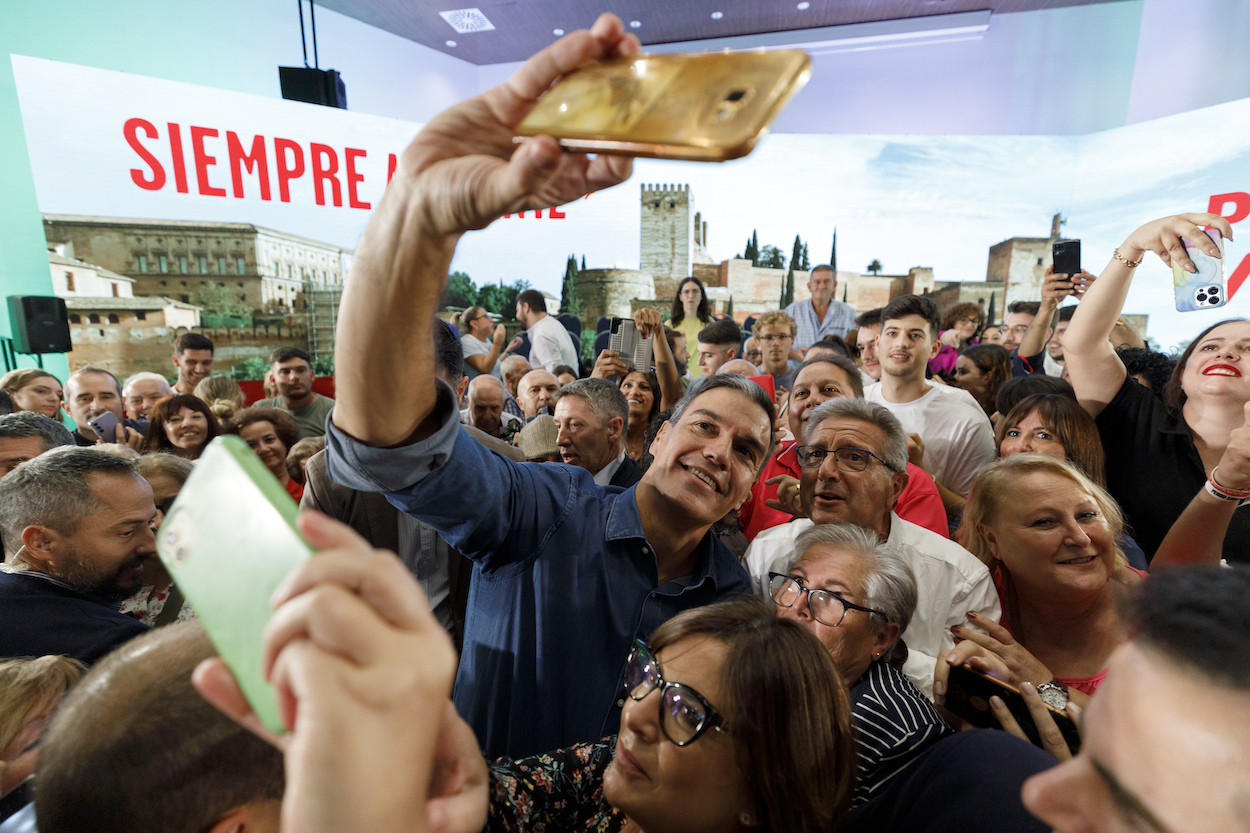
[[968, 694], [1067, 257]]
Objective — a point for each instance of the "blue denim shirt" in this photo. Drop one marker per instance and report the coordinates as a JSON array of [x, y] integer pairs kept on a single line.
[[564, 580]]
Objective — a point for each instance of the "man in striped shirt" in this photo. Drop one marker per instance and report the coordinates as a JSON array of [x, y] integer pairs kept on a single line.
[[821, 316]]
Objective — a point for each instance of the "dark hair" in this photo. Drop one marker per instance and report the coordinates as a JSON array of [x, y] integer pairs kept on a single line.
[[1072, 426], [994, 362], [823, 267], [842, 363], [1173, 395], [564, 368], [966, 309], [872, 318], [1155, 367], [653, 428], [834, 343], [533, 299], [721, 333], [1198, 618], [7, 405], [654, 381], [284, 425], [448, 353], [1018, 387], [135, 746], [1066, 313], [30, 424], [192, 341], [97, 370], [285, 354], [1024, 307], [921, 305], [678, 312], [164, 409], [787, 707]]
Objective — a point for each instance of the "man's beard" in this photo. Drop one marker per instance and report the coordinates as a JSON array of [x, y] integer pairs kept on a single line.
[[89, 579]]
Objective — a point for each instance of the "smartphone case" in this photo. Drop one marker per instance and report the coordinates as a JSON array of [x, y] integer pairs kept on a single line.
[[1205, 288], [968, 694], [703, 107], [1066, 257], [228, 541], [634, 350]]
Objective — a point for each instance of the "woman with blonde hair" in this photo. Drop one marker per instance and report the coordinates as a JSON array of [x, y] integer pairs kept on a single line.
[[30, 692], [1048, 534], [34, 389], [222, 395]]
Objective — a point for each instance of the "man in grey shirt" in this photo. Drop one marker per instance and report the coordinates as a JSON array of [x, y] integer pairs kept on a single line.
[[292, 373]]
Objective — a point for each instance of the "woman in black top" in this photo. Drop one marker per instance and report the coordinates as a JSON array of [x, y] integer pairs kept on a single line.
[[1161, 455]]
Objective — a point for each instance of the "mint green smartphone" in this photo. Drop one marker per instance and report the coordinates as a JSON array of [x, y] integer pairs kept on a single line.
[[229, 540]]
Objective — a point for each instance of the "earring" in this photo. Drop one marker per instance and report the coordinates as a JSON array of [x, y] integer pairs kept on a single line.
[[745, 819], [877, 655]]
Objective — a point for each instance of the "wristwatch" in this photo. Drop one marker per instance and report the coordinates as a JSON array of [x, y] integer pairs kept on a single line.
[[1054, 694]]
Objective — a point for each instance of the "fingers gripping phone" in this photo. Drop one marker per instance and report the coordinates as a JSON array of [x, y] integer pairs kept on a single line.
[[1205, 288], [228, 541], [700, 107], [634, 350], [968, 694]]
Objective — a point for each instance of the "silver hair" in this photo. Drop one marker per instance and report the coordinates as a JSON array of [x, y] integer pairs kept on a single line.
[[52, 490], [147, 376], [510, 363], [165, 462], [894, 452], [481, 379], [30, 424], [603, 397], [889, 583]]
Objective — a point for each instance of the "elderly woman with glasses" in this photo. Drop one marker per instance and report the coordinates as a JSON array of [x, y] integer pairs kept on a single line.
[[857, 595]]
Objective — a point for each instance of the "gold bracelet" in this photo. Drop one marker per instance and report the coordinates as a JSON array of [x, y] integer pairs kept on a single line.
[[1132, 264]]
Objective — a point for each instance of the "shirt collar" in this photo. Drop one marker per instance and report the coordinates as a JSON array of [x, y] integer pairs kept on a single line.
[[604, 476], [624, 521]]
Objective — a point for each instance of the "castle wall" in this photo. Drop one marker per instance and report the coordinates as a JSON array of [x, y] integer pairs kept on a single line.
[[612, 291]]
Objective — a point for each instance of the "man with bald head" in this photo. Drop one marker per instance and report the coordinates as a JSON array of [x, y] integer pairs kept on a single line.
[[512, 368], [485, 411], [535, 392], [742, 367]]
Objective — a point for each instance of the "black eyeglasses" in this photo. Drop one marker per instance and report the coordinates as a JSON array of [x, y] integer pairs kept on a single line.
[[685, 714], [827, 607], [848, 457]]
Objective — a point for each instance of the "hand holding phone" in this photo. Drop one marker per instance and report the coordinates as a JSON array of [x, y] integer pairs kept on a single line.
[[1066, 257], [968, 694], [630, 346], [1205, 287]]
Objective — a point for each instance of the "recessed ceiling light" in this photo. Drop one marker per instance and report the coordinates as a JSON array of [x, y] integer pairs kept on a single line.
[[717, 15], [451, 43], [804, 6], [557, 32], [634, 24]]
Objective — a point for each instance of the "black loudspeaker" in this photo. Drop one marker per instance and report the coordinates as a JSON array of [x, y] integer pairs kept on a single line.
[[39, 323], [315, 86]]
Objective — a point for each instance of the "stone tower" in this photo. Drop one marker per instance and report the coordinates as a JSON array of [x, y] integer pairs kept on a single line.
[[667, 243]]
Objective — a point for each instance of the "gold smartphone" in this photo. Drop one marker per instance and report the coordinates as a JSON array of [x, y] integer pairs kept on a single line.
[[700, 107]]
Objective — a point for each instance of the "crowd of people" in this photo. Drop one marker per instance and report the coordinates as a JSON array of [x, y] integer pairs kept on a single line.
[[735, 590]]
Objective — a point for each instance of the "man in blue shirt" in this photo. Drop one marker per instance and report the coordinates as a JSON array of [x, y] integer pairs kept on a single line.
[[821, 315], [567, 573]]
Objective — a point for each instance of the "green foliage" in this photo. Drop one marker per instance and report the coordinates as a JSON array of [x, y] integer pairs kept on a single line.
[[221, 301], [787, 289], [323, 365], [501, 299], [250, 370], [806, 265], [569, 300], [833, 254], [729, 308], [875, 267], [752, 251], [771, 258], [460, 292]]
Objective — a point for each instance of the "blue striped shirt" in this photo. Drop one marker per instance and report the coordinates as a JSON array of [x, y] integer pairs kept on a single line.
[[839, 320]]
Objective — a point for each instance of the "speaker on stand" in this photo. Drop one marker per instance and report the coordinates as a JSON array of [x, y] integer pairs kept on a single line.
[[39, 324]]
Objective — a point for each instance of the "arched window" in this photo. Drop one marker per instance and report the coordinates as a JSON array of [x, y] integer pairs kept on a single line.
[[113, 319], [75, 319], [93, 318]]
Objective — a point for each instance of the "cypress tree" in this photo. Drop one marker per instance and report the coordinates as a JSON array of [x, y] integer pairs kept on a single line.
[[569, 301]]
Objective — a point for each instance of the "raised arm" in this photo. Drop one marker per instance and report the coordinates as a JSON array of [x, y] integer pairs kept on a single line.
[[486, 363], [461, 172], [1054, 289], [1094, 369], [649, 324]]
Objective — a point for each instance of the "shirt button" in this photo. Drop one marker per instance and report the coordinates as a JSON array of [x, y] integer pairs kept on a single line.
[[620, 703], [653, 595], [646, 551]]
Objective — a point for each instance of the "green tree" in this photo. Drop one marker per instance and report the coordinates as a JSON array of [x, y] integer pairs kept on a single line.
[[501, 299], [875, 267], [796, 254], [833, 254], [771, 258], [752, 251], [729, 308], [221, 300], [787, 288], [460, 292], [807, 263], [250, 370], [569, 302], [583, 263]]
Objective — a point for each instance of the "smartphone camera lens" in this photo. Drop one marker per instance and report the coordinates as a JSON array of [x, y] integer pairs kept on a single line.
[[732, 102]]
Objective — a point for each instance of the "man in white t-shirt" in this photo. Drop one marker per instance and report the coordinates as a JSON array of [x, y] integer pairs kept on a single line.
[[958, 439], [854, 467], [550, 344]]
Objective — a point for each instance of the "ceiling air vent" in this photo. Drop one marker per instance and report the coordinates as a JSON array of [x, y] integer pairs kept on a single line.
[[467, 21]]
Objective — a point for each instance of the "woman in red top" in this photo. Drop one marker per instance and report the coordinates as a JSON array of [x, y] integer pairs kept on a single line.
[[271, 432], [816, 381]]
